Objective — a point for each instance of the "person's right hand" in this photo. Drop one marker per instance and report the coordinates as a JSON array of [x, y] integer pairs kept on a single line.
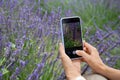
[[91, 56]]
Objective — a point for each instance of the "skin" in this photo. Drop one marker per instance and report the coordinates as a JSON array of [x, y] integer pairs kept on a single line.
[[90, 55], [72, 67]]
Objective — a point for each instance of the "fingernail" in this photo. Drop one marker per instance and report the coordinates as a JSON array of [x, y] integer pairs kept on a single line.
[[60, 43], [76, 51]]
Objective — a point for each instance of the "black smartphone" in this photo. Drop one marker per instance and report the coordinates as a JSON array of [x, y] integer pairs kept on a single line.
[[71, 35]]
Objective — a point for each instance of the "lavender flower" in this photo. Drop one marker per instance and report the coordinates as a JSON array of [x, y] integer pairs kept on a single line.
[[15, 74], [36, 72], [1, 76], [29, 37], [22, 63]]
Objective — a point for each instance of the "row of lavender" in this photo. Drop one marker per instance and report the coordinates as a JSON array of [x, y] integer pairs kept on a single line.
[[29, 41]]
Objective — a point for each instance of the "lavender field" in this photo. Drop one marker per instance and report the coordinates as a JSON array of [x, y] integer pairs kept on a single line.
[[30, 33]]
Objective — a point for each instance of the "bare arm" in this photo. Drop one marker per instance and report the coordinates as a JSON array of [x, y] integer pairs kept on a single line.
[[110, 73]]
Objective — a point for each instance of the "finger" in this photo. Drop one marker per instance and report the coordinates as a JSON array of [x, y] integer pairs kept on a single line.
[[82, 60], [76, 63], [88, 46], [85, 49], [63, 55], [61, 49], [76, 60], [66, 61], [82, 53]]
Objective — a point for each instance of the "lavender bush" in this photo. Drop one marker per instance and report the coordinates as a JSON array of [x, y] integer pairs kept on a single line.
[[29, 40]]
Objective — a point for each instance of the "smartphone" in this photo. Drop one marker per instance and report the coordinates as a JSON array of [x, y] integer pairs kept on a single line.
[[71, 35]]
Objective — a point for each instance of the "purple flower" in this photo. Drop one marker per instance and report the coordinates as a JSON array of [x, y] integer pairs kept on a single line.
[[22, 63], [30, 32], [19, 44], [99, 35], [33, 76], [1, 74], [15, 74], [36, 72], [39, 68]]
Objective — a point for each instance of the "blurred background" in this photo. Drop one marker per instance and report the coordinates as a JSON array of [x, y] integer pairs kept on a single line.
[[30, 33]]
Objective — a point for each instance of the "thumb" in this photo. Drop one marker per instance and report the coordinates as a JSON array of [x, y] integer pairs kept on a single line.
[[82, 53], [62, 53], [61, 49]]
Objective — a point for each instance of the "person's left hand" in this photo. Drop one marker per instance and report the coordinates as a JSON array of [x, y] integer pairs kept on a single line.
[[72, 67]]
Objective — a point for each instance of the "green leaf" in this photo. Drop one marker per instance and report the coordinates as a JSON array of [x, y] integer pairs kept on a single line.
[[1, 61], [13, 45], [4, 71]]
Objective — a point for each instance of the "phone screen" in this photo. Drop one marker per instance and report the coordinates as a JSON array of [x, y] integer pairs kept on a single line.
[[72, 37]]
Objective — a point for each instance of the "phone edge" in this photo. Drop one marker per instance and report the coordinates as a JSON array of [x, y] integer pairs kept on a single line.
[[62, 32]]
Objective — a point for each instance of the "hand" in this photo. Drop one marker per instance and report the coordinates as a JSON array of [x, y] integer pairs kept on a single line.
[[91, 56], [71, 67]]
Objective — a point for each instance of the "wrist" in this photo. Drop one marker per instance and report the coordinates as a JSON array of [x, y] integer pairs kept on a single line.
[[102, 69]]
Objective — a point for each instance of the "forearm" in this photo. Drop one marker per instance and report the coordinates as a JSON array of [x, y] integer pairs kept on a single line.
[[110, 73]]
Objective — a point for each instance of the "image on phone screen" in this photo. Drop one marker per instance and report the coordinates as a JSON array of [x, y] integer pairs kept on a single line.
[[72, 36]]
